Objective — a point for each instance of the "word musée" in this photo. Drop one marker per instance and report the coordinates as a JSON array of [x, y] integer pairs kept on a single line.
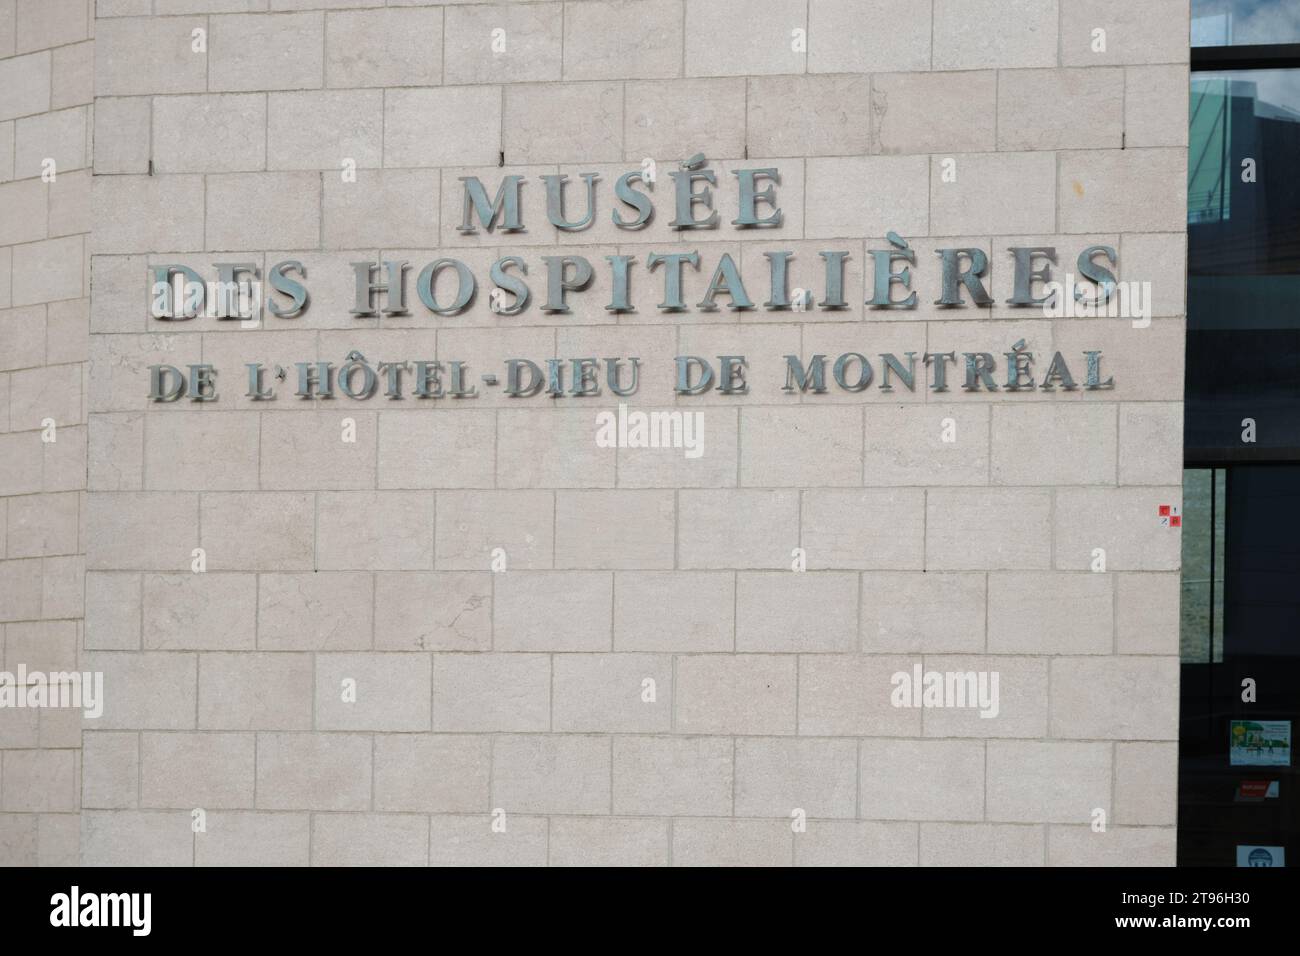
[[447, 286]]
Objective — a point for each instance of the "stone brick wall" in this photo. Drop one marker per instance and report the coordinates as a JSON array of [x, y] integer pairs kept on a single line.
[[46, 91], [516, 696]]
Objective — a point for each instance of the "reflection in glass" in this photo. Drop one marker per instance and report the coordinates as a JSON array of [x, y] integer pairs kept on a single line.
[[1243, 292], [1201, 606], [1240, 656], [1244, 22]]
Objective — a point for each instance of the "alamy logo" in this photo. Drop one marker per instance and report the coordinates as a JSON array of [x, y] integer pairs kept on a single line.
[[57, 689], [231, 298], [946, 689], [673, 429], [102, 909], [1114, 300]]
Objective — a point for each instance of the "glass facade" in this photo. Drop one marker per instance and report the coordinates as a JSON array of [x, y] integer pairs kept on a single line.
[[1201, 603], [1243, 283], [1241, 660], [1244, 22], [1240, 596]]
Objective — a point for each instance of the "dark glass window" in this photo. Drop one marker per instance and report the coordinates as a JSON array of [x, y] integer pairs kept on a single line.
[[1243, 287], [1238, 801], [1241, 607]]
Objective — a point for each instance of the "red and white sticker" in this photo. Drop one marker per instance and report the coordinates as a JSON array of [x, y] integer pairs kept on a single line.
[[1257, 790]]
